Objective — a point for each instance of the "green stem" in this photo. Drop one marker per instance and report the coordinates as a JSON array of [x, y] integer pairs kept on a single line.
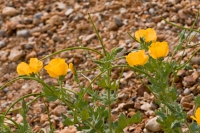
[[27, 77], [88, 70], [49, 119], [109, 91], [73, 48], [73, 110], [27, 104], [61, 89], [146, 85], [11, 120], [69, 90], [11, 81], [28, 95], [109, 112], [188, 60], [132, 68], [189, 127], [181, 27], [99, 38], [91, 83], [132, 36], [87, 79]]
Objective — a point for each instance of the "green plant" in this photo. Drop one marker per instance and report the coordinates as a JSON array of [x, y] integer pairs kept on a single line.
[[94, 114]]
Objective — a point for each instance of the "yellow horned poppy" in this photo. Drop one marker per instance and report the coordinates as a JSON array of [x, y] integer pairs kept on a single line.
[[33, 67], [148, 34], [137, 58], [158, 49], [56, 67], [71, 67], [36, 64], [197, 116]]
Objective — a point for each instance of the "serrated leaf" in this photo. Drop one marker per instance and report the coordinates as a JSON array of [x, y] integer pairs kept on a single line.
[[50, 96], [122, 123], [103, 82], [114, 85], [136, 118], [68, 121], [81, 104], [84, 114], [175, 124]]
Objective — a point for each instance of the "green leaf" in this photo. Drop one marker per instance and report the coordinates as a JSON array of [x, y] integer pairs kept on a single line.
[[98, 62], [81, 104], [195, 127], [5, 129], [117, 50], [69, 121], [103, 82], [50, 96], [84, 114], [122, 123], [114, 85], [175, 124], [197, 101], [136, 118], [24, 106]]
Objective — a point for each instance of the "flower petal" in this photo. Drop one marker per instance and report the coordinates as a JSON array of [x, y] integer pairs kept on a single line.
[[24, 69], [139, 34], [56, 67], [36, 64], [137, 58], [150, 35], [158, 49], [71, 67]]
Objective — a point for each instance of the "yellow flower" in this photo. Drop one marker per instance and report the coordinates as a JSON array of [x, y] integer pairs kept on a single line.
[[56, 67], [197, 116], [71, 67], [33, 67], [137, 58], [158, 49], [36, 64], [148, 34]]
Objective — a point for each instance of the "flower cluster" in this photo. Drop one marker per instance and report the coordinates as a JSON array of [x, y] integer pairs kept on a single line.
[[34, 66], [156, 49], [57, 67]]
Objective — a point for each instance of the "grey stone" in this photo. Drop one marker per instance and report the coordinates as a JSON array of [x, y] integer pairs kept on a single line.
[[145, 106], [15, 55], [23, 33], [69, 11], [3, 55], [2, 44], [2, 33], [195, 60], [38, 15], [61, 5], [153, 125], [186, 91], [118, 21], [89, 37]]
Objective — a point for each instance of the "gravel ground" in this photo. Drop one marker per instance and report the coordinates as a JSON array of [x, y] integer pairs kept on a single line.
[[36, 28]]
